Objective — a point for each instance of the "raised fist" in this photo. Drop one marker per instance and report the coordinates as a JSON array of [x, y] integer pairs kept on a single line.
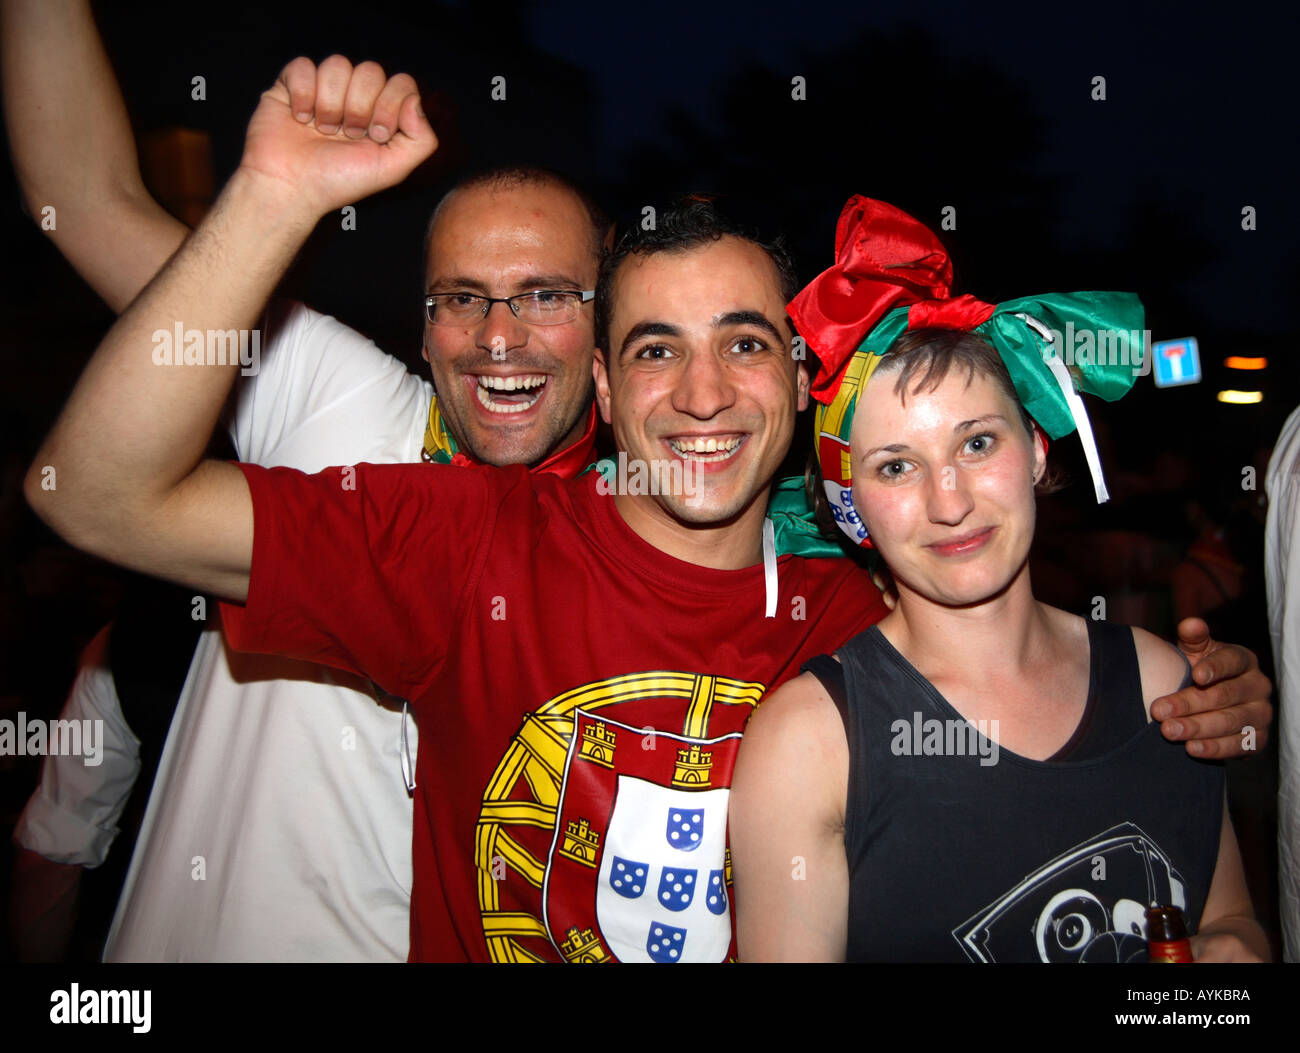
[[334, 134]]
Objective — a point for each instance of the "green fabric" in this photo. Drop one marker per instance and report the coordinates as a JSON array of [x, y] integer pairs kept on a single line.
[[795, 523], [608, 468], [797, 532], [1023, 349]]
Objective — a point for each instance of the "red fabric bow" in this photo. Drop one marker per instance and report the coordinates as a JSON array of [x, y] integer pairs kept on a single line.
[[963, 312], [883, 259]]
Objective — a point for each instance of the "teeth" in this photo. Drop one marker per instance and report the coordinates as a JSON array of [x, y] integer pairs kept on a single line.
[[529, 386], [524, 383], [710, 445], [720, 449], [488, 402]]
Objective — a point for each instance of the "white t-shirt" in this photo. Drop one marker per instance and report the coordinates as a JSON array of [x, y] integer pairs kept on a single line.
[[1282, 574], [279, 827], [72, 817]]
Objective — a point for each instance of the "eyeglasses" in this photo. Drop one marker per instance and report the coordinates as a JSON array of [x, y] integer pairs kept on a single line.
[[542, 307]]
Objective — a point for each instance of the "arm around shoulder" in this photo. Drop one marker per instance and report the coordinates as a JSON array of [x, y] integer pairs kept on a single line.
[[1225, 712]]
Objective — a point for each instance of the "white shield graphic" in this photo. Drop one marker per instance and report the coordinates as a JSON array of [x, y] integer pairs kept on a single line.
[[636, 831]]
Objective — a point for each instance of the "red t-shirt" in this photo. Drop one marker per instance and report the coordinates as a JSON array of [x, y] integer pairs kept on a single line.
[[511, 609]]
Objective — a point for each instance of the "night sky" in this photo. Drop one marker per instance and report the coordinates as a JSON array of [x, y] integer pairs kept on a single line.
[[1198, 119]]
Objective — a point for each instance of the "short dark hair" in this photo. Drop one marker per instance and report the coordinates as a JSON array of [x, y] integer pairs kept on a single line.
[[686, 224], [511, 177]]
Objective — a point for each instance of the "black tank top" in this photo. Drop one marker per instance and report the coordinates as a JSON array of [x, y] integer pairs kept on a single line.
[[960, 853]]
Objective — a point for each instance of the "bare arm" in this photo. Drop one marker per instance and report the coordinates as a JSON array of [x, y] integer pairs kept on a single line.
[[121, 475], [787, 829], [1228, 931], [73, 149]]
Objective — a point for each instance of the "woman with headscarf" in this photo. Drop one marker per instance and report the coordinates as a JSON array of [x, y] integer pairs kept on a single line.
[[977, 777]]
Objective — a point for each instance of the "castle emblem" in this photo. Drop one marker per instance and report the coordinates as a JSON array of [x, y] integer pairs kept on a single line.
[[580, 842], [691, 771], [598, 744], [583, 948]]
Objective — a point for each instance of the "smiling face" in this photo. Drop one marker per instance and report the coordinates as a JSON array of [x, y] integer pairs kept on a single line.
[[945, 484], [700, 372], [510, 392]]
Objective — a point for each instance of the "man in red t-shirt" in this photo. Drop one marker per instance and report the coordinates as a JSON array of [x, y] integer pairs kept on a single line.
[[584, 668], [581, 656]]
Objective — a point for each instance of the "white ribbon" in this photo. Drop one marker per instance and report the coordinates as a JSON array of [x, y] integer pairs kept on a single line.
[[408, 769], [1077, 409], [769, 566]]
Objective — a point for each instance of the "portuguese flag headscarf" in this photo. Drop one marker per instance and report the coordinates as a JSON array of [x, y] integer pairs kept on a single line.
[[892, 275]]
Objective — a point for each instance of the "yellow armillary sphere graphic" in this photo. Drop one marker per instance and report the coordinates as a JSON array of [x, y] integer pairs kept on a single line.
[[521, 802]]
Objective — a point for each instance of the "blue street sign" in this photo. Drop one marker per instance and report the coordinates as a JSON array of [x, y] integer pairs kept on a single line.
[[1176, 362]]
